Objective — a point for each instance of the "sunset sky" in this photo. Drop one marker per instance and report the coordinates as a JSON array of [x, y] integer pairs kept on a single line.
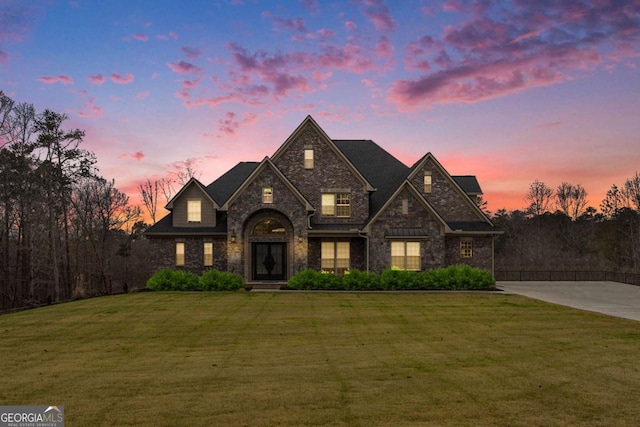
[[507, 91]]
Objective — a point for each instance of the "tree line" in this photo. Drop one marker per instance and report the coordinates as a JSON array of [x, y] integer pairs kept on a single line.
[[557, 230], [66, 232]]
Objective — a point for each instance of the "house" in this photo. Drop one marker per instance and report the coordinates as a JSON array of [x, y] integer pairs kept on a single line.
[[325, 204]]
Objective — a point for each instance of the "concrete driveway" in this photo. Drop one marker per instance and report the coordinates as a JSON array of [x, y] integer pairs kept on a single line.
[[612, 298]]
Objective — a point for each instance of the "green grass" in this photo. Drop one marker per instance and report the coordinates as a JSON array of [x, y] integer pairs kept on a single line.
[[361, 359]]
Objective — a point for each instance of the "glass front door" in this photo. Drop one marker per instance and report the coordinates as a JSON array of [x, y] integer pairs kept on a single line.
[[269, 261]]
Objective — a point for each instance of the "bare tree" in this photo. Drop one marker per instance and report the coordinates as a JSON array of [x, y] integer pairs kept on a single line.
[[631, 192], [538, 198], [149, 193], [571, 199]]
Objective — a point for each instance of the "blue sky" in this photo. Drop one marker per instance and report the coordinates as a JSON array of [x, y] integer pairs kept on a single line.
[[510, 91]]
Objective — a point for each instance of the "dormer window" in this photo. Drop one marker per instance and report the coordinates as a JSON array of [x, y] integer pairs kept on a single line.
[[194, 210], [267, 195], [427, 182], [308, 158]]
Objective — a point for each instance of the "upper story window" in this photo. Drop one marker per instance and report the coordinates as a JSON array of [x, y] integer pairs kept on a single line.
[[466, 248], [405, 206], [336, 204], [427, 182], [194, 210], [267, 195], [308, 158]]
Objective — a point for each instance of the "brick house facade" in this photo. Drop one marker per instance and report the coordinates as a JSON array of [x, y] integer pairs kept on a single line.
[[324, 204]]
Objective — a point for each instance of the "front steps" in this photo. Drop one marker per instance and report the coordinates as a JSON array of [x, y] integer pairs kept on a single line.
[[266, 286]]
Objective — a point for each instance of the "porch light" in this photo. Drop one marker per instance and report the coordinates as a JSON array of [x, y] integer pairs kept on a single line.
[[232, 238]]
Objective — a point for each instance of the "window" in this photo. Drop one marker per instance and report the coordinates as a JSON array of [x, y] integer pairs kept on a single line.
[[405, 207], [308, 158], [335, 257], [179, 254], [208, 254], [427, 182], [267, 195], [328, 204], [336, 205], [194, 210], [466, 248], [268, 227], [405, 255], [343, 208]]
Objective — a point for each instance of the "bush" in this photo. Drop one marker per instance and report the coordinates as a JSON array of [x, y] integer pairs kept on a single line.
[[180, 280], [214, 280], [456, 277], [173, 280]]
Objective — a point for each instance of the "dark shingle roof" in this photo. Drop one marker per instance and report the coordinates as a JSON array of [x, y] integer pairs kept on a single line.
[[380, 168], [468, 183], [222, 188], [405, 232], [477, 226], [165, 226]]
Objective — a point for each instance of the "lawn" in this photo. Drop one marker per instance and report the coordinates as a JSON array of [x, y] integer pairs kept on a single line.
[[360, 359]]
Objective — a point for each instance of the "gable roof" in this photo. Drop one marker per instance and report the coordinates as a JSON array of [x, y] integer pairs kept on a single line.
[[266, 163], [409, 186], [222, 188], [191, 182], [308, 121], [418, 165]]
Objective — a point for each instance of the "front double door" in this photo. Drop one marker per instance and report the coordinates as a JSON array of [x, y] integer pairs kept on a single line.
[[269, 261]]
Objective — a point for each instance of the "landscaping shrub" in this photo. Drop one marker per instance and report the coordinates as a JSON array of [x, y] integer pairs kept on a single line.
[[456, 277], [214, 280], [173, 280], [180, 280]]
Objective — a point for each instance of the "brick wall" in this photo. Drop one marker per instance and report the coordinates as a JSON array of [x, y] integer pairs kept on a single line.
[[329, 173], [431, 246], [163, 253], [482, 252], [444, 198], [248, 208]]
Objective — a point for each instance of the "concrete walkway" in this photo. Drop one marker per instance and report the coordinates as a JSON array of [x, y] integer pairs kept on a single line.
[[612, 298]]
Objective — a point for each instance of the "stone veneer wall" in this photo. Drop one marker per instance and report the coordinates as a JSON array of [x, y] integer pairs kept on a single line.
[[329, 172], [357, 252], [163, 253], [482, 252], [250, 203], [431, 247], [447, 201]]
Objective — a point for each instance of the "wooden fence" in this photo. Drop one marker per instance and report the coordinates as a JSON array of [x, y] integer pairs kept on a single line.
[[548, 276]]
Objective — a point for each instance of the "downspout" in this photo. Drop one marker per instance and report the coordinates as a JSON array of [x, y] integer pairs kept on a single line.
[[366, 257]]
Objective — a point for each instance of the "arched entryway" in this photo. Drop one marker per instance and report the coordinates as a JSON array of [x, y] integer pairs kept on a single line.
[[268, 238]]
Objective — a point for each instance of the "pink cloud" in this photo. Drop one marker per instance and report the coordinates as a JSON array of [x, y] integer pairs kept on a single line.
[[98, 79], [90, 110], [296, 24], [325, 32], [380, 17], [143, 95], [500, 50], [183, 67], [4, 57], [120, 79], [62, 78], [191, 52], [141, 37], [350, 25], [230, 123], [138, 155]]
